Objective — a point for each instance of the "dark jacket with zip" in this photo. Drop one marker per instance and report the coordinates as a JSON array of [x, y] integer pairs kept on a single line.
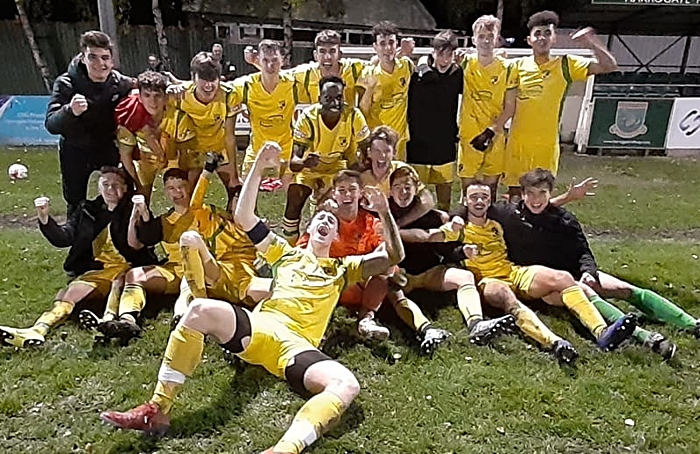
[[84, 225], [91, 135]]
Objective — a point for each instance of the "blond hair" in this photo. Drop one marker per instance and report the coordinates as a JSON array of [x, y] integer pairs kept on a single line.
[[489, 22]]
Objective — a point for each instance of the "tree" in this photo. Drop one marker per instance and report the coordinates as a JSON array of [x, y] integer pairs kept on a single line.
[[36, 51], [499, 11], [160, 34]]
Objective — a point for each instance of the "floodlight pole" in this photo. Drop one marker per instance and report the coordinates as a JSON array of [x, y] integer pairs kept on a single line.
[[108, 24]]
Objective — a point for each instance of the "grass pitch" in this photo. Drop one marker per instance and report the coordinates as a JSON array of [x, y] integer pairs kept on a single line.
[[511, 398]]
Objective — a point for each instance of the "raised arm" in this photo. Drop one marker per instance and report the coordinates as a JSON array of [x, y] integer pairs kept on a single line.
[[606, 62], [576, 192], [58, 235], [392, 253], [59, 115], [139, 212]]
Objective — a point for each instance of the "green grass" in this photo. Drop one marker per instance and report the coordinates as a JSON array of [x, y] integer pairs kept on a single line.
[[511, 398]]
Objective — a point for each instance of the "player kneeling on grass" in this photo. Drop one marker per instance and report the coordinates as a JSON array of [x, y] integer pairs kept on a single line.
[[425, 267], [538, 232], [504, 284], [327, 137], [97, 234], [284, 332], [162, 279]]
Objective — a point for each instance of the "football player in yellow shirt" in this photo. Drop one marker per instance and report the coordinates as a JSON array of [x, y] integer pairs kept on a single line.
[[378, 159], [544, 80], [140, 150], [204, 121], [327, 137], [384, 86], [271, 97], [283, 333], [488, 101], [504, 284]]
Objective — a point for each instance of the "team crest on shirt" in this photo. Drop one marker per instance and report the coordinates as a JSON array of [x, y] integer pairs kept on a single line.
[[282, 104], [546, 73], [343, 141], [494, 80], [402, 81]]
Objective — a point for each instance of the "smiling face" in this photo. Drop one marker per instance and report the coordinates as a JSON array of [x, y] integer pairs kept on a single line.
[[327, 56], [205, 89], [443, 59], [485, 39], [478, 200], [542, 38], [346, 194], [403, 191], [536, 198], [111, 187], [177, 191], [153, 101], [323, 229], [385, 47], [98, 62], [380, 154], [331, 98]]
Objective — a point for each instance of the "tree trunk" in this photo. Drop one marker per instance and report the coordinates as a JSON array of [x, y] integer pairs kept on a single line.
[[160, 34], [108, 25], [287, 8], [36, 51], [499, 11]]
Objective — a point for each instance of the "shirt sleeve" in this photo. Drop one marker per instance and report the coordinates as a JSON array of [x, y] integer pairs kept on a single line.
[[304, 131], [359, 127], [353, 269], [233, 100], [125, 137], [512, 75], [578, 67], [277, 248], [451, 235]]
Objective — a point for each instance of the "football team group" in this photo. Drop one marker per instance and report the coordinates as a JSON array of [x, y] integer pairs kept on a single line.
[[375, 136]]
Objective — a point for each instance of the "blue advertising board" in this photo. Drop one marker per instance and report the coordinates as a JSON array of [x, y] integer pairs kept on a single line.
[[22, 121]]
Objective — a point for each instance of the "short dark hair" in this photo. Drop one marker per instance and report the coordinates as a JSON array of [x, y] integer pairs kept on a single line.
[[446, 40], [175, 173], [385, 133], [405, 171], [346, 175], [151, 81], [269, 45], [385, 28], [543, 18], [121, 173], [95, 38], [480, 183], [205, 66], [536, 178], [327, 38], [330, 80]]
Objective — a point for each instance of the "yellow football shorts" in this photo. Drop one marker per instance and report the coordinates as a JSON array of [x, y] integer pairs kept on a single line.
[[251, 154], [521, 158], [487, 163], [234, 282], [519, 280], [272, 344], [101, 280], [172, 273], [435, 174], [148, 167], [194, 159]]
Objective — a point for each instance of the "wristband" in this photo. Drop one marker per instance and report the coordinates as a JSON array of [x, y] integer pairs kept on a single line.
[[258, 233]]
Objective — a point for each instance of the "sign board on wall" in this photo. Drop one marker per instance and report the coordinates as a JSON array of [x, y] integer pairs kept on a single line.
[[648, 2], [22, 121], [629, 123], [684, 125]]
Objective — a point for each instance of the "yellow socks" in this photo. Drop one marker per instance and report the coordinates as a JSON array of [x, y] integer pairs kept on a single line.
[[469, 303], [194, 271], [61, 310], [312, 420], [182, 355], [575, 300], [533, 327], [410, 313], [133, 299]]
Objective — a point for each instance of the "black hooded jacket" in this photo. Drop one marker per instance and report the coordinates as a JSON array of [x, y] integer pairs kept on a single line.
[[94, 130], [84, 225]]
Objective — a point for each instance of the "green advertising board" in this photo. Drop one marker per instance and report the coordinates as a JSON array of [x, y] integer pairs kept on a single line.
[[648, 2], [630, 123]]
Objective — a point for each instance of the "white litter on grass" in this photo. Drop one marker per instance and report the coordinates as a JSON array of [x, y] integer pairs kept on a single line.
[[629, 422]]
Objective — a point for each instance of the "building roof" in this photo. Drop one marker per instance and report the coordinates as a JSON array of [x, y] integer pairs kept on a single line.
[[406, 14]]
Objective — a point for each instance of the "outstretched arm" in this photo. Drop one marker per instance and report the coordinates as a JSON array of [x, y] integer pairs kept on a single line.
[[606, 62], [392, 253]]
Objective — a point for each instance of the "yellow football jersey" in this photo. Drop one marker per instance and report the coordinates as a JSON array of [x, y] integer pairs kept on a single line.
[[201, 126], [271, 114], [309, 75], [225, 240], [104, 250], [541, 92], [337, 147], [484, 93], [492, 258], [390, 101], [307, 288], [174, 225], [369, 179]]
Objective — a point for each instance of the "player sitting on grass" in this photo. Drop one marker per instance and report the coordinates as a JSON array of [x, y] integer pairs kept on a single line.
[[284, 332], [378, 160], [153, 280], [504, 284], [327, 137], [424, 265], [96, 233], [538, 232]]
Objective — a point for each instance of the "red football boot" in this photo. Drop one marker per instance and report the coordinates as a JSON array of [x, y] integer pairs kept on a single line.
[[146, 418]]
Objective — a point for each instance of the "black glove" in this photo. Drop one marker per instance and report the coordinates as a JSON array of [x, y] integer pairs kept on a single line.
[[213, 161], [483, 140]]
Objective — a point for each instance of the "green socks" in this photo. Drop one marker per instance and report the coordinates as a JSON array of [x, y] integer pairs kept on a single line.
[[659, 308], [611, 313]]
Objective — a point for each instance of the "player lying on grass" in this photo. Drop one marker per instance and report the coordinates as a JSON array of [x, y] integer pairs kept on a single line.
[[153, 280], [139, 119], [327, 137], [504, 284], [425, 267], [284, 332], [378, 160], [96, 233], [538, 232]]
